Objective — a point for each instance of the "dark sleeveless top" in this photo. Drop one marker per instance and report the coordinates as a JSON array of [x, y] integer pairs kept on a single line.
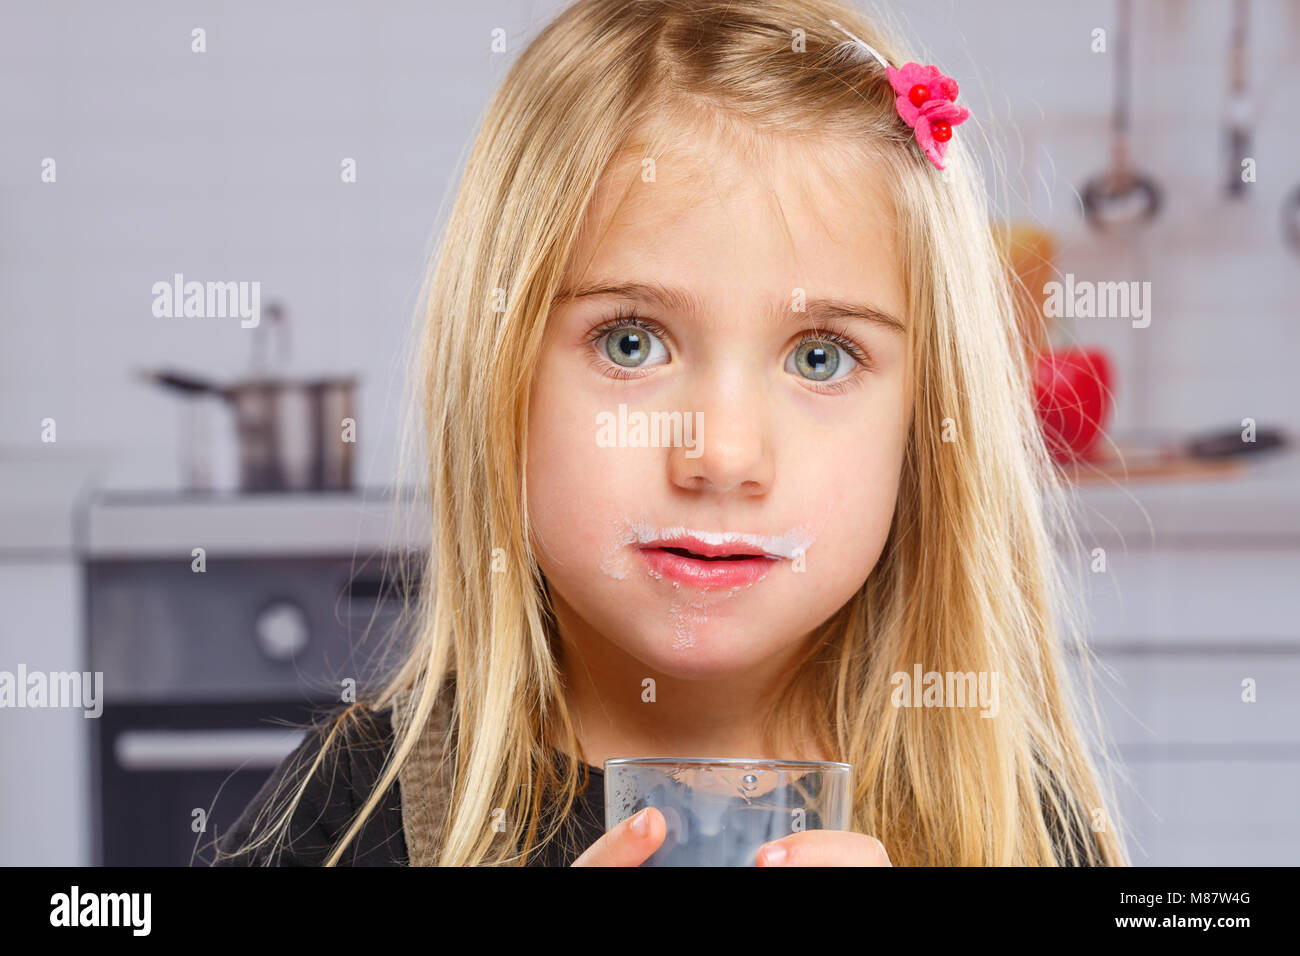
[[340, 788], [403, 829]]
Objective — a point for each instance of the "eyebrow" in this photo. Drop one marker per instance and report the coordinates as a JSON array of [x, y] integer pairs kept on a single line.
[[680, 300]]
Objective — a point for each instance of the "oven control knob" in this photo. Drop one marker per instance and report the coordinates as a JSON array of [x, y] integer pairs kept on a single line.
[[282, 631]]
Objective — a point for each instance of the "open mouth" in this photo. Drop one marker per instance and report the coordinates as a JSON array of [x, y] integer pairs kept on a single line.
[[725, 567], [682, 552], [686, 557]]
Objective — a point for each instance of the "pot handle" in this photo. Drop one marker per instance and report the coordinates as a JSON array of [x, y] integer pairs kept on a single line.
[[180, 382]]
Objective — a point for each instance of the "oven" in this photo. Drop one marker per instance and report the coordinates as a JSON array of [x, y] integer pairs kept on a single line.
[[205, 672]]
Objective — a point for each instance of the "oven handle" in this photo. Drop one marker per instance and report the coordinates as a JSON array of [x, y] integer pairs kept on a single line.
[[205, 749]]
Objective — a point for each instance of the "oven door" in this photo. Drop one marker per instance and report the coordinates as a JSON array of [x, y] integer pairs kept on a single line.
[[205, 676], [177, 776]]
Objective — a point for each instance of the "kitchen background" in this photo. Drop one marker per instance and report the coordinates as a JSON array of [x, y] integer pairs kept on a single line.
[[225, 165]]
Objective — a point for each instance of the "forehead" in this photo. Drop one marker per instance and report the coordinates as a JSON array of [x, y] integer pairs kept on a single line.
[[766, 214]]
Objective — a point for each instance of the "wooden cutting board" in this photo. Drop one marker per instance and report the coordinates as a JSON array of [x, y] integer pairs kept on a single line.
[[1138, 463]]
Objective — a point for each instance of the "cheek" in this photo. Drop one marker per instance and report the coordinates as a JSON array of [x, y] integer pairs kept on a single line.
[[855, 519], [859, 485], [574, 485]]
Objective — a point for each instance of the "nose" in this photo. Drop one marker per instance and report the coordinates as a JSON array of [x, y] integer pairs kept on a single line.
[[733, 451]]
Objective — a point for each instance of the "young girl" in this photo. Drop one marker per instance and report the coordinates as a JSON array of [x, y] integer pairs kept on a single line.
[[761, 223]]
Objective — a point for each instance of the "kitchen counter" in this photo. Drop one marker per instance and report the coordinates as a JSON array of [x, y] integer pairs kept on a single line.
[[41, 487], [124, 524], [1260, 506]]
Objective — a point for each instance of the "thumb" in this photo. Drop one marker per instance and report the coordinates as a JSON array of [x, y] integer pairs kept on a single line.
[[628, 844]]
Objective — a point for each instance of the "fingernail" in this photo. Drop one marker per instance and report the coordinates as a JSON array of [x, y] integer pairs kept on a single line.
[[773, 854], [641, 823]]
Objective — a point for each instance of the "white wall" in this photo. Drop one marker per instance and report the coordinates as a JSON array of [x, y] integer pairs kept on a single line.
[[221, 166], [225, 165]]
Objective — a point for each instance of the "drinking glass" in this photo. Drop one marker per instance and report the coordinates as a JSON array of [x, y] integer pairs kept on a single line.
[[720, 811]]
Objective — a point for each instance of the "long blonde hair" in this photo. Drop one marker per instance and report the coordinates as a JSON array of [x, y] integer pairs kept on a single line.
[[969, 577]]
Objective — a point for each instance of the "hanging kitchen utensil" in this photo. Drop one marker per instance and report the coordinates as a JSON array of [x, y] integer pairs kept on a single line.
[[1291, 220], [1239, 105], [1121, 199]]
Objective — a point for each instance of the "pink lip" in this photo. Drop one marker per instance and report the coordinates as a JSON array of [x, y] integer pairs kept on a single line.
[[702, 573], [688, 542]]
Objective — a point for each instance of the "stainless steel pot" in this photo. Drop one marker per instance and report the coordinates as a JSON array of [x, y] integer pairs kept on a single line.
[[294, 434]]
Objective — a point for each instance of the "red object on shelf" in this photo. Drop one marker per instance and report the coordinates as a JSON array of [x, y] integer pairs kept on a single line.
[[1072, 396]]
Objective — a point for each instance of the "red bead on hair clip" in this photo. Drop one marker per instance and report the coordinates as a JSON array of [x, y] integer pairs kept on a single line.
[[925, 100]]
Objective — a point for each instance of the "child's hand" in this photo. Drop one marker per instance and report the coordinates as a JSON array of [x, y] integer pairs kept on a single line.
[[628, 844], [824, 848], [625, 846]]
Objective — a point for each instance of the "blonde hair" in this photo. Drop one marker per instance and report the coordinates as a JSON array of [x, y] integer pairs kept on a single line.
[[968, 580]]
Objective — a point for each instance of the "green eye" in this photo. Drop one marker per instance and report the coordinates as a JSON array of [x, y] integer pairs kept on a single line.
[[816, 359], [629, 346]]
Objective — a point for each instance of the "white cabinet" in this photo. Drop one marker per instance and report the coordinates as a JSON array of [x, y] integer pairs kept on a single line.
[[1214, 778], [45, 792], [45, 802], [1206, 810]]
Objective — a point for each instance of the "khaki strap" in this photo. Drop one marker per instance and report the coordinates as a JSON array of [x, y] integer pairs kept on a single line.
[[425, 785], [425, 782]]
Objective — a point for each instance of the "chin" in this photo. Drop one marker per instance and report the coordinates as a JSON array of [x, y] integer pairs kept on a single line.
[[687, 649]]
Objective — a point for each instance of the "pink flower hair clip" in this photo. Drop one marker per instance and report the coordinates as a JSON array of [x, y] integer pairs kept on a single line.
[[925, 99]]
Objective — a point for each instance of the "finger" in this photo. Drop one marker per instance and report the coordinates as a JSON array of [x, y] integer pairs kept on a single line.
[[624, 845], [824, 848]]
